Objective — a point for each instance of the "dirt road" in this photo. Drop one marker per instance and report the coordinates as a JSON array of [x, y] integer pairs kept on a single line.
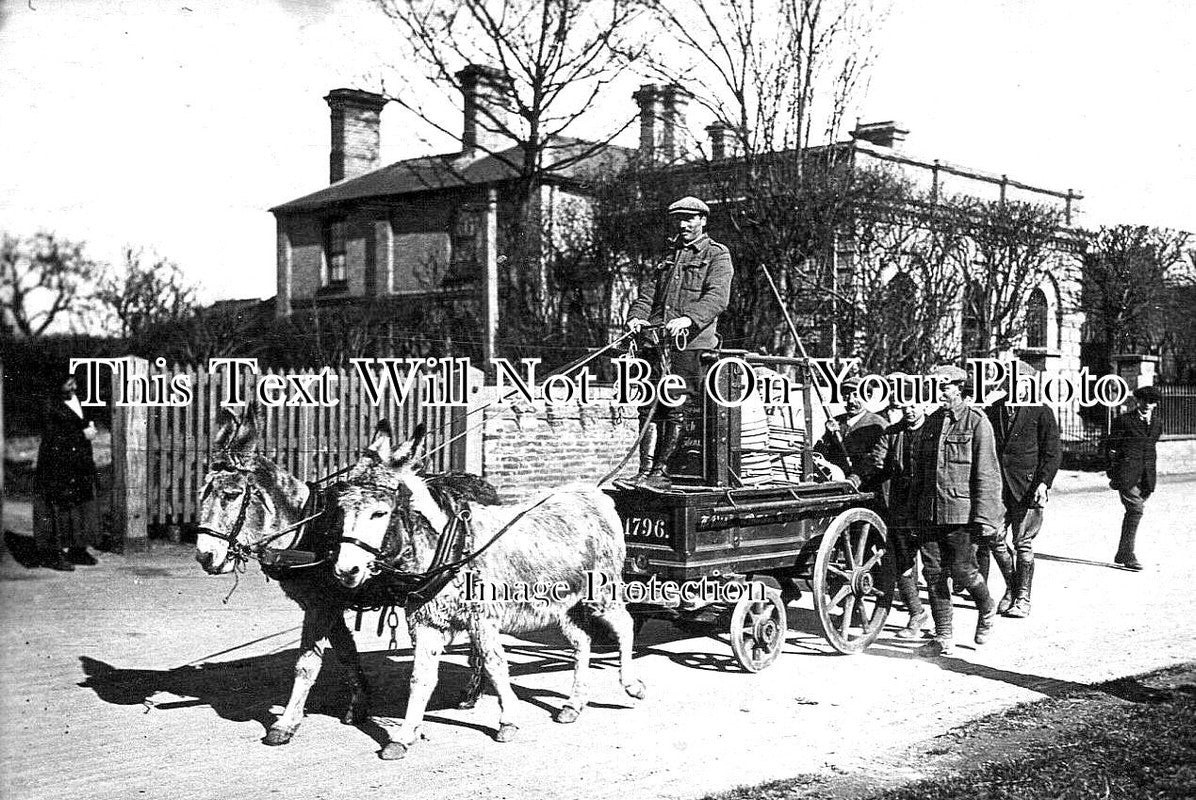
[[104, 695]]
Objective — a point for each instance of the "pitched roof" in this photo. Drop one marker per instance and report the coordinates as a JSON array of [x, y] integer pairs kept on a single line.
[[566, 159]]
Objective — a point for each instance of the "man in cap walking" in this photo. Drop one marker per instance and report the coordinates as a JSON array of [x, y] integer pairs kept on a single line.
[[1132, 451], [1027, 440], [955, 492], [685, 294], [859, 429]]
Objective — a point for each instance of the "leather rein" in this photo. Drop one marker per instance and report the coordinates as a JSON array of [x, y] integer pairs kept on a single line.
[[241, 552]]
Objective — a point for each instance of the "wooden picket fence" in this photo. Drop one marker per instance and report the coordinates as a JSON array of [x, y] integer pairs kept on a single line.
[[309, 441]]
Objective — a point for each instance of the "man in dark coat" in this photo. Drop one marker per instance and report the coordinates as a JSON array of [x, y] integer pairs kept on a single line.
[[888, 470], [64, 508], [955, 492], [685, 294], [1132, 456], [859, 428], [1027, 440]]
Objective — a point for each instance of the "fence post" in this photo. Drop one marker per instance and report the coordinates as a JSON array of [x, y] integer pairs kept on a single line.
[[466, 454], [130, 428]]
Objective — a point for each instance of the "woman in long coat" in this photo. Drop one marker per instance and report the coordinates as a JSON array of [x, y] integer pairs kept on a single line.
[[64, 508]]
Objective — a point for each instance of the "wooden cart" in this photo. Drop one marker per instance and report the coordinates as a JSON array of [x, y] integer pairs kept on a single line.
[[765, 542]]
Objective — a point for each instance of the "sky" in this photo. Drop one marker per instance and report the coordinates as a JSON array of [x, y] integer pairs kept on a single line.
[[175, 126]]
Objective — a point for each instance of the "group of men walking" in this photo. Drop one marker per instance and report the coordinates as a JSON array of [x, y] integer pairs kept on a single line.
[[955, 484], [961, 485]]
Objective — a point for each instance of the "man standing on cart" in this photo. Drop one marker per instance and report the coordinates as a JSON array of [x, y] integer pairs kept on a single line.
[[684, 294], [955, 492]]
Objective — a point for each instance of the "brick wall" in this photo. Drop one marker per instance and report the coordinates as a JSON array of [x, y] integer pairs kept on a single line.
[[526, 449]]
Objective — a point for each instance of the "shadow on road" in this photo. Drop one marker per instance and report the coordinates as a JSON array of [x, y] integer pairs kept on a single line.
[[1130, 689]]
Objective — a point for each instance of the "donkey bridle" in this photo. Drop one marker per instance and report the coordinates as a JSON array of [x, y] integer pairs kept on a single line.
[[240, 552]]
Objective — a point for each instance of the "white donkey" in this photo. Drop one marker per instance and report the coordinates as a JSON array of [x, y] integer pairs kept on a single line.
[[568, 537]]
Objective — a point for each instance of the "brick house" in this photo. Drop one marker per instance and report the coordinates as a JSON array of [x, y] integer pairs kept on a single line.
[[429, 228]]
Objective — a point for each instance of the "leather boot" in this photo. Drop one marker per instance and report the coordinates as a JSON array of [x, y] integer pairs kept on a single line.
[[986, 608], [1125, 548], [647, 456], [54, 559], [670, 438], [1025, 579], [1004, 558], [942, 611], [907, 587], [80, 556]]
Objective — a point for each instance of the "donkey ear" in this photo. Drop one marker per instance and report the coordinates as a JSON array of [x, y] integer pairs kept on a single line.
[[228, 423], [407, 450], [245, 439], [381, 446]]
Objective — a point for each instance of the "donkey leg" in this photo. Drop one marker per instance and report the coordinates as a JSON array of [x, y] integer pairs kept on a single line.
[[429, 644], [473, 689], [488, 641], [617, 618], [316, 623], [346, 650], [581, 665]]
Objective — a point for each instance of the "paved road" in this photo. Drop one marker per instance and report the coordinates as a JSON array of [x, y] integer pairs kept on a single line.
[[133, 679]]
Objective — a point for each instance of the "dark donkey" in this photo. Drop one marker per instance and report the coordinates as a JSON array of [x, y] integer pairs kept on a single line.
[[566, 539], [249, 503]]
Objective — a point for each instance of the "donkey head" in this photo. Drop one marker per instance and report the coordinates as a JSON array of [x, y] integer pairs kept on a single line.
[[376, 499], [244, 498]]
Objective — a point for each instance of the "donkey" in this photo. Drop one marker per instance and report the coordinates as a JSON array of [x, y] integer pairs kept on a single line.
[[247, 501], [565, 537]]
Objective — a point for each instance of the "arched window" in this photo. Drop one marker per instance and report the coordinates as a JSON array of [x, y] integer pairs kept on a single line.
[[1036, 319], [973, 313]]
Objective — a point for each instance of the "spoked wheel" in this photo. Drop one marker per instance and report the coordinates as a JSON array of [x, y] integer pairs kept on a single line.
[[854, 580], [758, 628]]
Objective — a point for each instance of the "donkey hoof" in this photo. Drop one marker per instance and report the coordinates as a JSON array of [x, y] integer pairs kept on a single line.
[[506, 732], [567, 714], [393, 751], [277, 736], [636, 689], [467, 701]]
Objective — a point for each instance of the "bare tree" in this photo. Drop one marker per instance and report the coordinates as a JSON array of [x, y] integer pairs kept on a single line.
[[906, 286], [1012, 247], [43, 280], [546, 64], [142, 293], [1129, 276], [770, 71], [555, 57]]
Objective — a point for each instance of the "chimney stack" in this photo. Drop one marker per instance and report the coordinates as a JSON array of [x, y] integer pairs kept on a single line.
[[646, 99], [884, 134], [486, 93], [673, 100], [718, 140], [356, 132]]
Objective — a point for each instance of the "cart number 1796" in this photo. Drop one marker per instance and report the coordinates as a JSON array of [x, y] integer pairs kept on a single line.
[[646, 528]]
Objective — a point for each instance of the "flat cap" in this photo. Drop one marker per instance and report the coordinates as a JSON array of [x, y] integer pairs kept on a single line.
[[949, 373], [689, 205], [850, 384], [1148, 394]]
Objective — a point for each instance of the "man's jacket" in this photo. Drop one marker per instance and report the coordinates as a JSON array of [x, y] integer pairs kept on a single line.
[[859, 437], [1132, 452], [957, 478], [888, 469], [1027, 440], [694, 282]]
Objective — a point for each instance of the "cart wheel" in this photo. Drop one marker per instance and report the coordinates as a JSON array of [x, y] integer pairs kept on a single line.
[[853, 580], [758, 629]]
